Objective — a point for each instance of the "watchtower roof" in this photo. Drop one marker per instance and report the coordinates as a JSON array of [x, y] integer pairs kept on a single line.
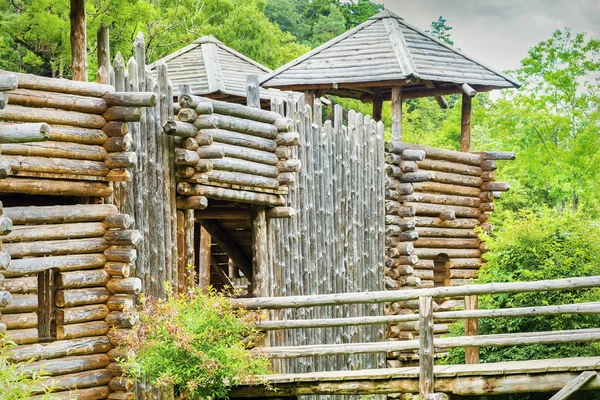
[[215, 70], [385, 51]]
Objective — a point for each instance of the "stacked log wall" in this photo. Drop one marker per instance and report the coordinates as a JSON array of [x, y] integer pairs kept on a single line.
[[7, 82], [72, 137], [335, 242], [435, 201], [231, 152], [64, 138]]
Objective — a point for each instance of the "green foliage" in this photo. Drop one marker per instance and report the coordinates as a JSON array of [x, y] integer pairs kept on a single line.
[[35, 33], [196, 343], [547, 245], [441, 30], [15, 384], [314, 22]]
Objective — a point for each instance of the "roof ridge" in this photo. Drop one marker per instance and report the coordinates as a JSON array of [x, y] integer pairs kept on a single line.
[[400, 47], [385, 13], [319, 49], [214, 76], [459, 52]]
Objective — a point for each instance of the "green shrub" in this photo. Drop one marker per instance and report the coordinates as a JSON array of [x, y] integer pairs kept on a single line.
[[196, 343], [15, 384], [549, 245]]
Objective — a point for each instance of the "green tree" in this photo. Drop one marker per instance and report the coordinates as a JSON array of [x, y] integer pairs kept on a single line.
[[358, 12], [552, 124], [328, 26], [441, 30]]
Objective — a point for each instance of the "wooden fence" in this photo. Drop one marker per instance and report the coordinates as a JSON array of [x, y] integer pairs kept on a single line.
[[335, 243], [426, 344]]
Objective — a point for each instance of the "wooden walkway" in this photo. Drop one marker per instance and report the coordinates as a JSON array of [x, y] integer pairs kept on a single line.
[[466, 380]]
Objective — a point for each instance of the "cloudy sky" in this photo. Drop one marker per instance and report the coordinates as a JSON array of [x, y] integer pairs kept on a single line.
[[499, 32]]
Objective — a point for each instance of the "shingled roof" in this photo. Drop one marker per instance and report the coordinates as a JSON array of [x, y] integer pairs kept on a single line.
[[214, 70], [385, 51]]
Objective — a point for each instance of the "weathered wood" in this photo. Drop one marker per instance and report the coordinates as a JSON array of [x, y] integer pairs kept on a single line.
[[280, 212], [455, 342], [81, 279], [122, 113], [28, 81], [52, 116], [396, 113], [260, 271], [226, 108], [471, 325], [78, 40], [69, 102], [81, 297], [218, 193], [204, 258], [192, 202], [244, 166], [181, 129], [32, 215], [8, 81], [236, 178], [574, 385], [75, 347], [221, 150], [65, 316], [252, 91], [124, 285], [126, 254], [130, 99], [28, 233], [21, 133], [426, 349], [85, 329], [54, 187], [239, 139], [465, 129], [56, 150], [399, 295]]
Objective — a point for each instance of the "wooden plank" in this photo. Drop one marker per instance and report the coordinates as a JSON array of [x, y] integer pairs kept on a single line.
[[574, 385]]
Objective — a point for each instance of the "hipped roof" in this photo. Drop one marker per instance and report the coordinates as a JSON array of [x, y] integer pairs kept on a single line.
[[212, 69], [385, 51]]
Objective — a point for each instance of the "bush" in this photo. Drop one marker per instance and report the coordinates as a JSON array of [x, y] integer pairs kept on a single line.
[[196, 343], [15, 384], [549, 245]]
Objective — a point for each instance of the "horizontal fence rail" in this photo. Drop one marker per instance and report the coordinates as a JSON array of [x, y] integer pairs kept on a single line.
[[426, 344], [278, 303]]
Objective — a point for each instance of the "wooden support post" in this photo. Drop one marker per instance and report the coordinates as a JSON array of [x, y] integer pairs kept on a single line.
[[309, 98], [252, 91], [46, 304], [181, 266], [189, 240], [260, 261], [574, 385], [396, 113], [78, 41], [471, 353], [377, 103], [426, 349], [228, 245], [204, 254], [465, 127]]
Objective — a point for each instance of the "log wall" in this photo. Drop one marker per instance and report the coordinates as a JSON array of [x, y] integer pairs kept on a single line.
[[67, 269], [335, 242], [435, 200], [72, 137]]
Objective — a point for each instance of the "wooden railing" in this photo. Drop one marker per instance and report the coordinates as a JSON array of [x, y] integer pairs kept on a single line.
[[426, 344]]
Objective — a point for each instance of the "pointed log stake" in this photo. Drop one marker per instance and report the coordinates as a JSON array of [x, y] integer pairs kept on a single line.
[[103, 48], [78, 41]]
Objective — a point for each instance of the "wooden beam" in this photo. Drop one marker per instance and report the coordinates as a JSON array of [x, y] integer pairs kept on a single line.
[[274, 303], [377, 103], [468, 90], [224, 213], [396, 113], [204, 259], [309, 98], [471, 324], [574, 385], [221, 237], [260, 260], [465, 126], [426, 349], [78, 41], [443, 104]]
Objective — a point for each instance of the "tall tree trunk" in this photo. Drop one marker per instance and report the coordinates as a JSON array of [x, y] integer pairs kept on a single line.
[[78, 41]]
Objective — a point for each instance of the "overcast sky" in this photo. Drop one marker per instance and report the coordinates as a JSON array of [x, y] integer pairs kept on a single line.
[[499, 32]]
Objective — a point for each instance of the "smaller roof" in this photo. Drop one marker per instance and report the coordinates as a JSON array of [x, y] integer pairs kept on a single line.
[[212, 69], [385, 51]]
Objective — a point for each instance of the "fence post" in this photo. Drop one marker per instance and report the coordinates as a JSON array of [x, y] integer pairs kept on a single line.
[[426, 350], [471, 353]]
